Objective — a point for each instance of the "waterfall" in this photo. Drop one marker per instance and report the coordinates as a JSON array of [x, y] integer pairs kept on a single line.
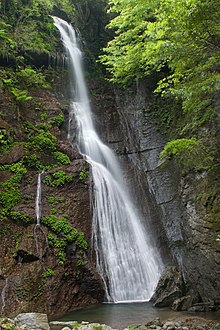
[[38, 199], [3, 294], [128, 264]]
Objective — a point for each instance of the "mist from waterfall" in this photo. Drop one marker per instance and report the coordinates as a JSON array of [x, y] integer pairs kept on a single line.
[[129, 265]]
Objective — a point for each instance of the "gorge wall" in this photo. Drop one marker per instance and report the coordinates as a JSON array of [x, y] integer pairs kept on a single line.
[[50, 268], [39, 274], [179, 219]]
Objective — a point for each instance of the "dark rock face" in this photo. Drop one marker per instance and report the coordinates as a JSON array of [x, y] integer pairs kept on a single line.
[[169, 288], [32, 276], [180, 228]]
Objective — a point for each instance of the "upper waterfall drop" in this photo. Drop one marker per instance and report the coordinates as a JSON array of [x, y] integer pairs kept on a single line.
[[128, 264]]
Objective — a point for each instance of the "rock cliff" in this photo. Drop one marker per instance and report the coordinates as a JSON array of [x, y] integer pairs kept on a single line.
[[182, 225], [45, 270], [46, 267]]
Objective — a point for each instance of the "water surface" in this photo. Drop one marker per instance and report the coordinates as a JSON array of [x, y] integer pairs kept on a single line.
[[119, 316]]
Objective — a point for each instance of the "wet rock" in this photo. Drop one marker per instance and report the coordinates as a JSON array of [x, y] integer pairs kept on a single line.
[[169, 325], [32, 321], [58, 325], [181, 228], [182, 304], [155, 322], [169, 288], [13, 155]]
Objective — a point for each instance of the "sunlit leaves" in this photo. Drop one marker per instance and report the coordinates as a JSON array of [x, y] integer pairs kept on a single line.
[[182, 35]]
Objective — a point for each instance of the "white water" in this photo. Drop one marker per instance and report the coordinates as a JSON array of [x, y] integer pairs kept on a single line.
[[126, 261], [38, 199]]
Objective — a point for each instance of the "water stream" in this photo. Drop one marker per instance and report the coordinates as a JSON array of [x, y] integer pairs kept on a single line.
[[4, 294], [38, 199], [128, 264]]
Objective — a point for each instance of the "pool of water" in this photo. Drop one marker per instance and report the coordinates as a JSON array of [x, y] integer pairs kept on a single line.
[[119, 316]]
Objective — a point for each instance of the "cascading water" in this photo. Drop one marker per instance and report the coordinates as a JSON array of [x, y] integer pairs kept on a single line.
[[129, 266], [38, 199]]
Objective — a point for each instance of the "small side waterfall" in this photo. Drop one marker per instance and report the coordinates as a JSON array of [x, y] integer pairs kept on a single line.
[[128, 264], [4, 294], [38, 206], [38, 199]]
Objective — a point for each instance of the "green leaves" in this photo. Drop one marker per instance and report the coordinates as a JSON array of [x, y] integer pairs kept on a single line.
[[180, 34], [179, 39], [190, 153], [58, 179], [20, 95]]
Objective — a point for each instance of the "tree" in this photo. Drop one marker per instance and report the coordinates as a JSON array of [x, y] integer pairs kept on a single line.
[[182, 35]]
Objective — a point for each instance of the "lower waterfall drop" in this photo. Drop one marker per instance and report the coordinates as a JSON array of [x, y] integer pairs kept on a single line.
[[128, 264]]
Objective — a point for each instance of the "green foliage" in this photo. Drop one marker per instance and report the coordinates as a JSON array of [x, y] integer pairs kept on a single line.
[[62, 234], [97, 327], [17, 244], [48, 273], [179, 34], [32, 161], [81, 242], [83, 175], [20, 95], [189, 153], [58, 179], [10, 190], [44, 141], [69, 234], [19, 216], [4, 138], [28, 26], [52, 200], [61, 158], [29, 77], [177, 147], [57, 121], [179, 40], [61, 257]]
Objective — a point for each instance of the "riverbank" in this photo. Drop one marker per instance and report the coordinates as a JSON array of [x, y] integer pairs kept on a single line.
[[38, 321]]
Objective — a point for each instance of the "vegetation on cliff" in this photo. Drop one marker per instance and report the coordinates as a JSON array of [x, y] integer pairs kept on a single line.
[[178, 43], [32, 141]]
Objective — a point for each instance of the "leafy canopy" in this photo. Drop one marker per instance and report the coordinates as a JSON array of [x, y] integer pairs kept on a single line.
[[179, 35]]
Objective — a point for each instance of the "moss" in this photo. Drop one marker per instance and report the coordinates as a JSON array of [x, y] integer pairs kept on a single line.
[[10, 189], [63, 234], [19, 216], [48, 273], [58, 179], [83, 175]]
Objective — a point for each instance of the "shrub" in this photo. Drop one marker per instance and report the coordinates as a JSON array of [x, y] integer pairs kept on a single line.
[[58, 179], [61, 158], [44, 141]]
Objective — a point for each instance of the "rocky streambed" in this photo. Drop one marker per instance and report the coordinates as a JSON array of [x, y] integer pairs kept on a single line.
[[38, 321]]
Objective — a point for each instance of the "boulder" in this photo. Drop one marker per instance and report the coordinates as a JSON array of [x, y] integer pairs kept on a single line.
[[169, 288], [13, 155], [182, 304], [33, 321]]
